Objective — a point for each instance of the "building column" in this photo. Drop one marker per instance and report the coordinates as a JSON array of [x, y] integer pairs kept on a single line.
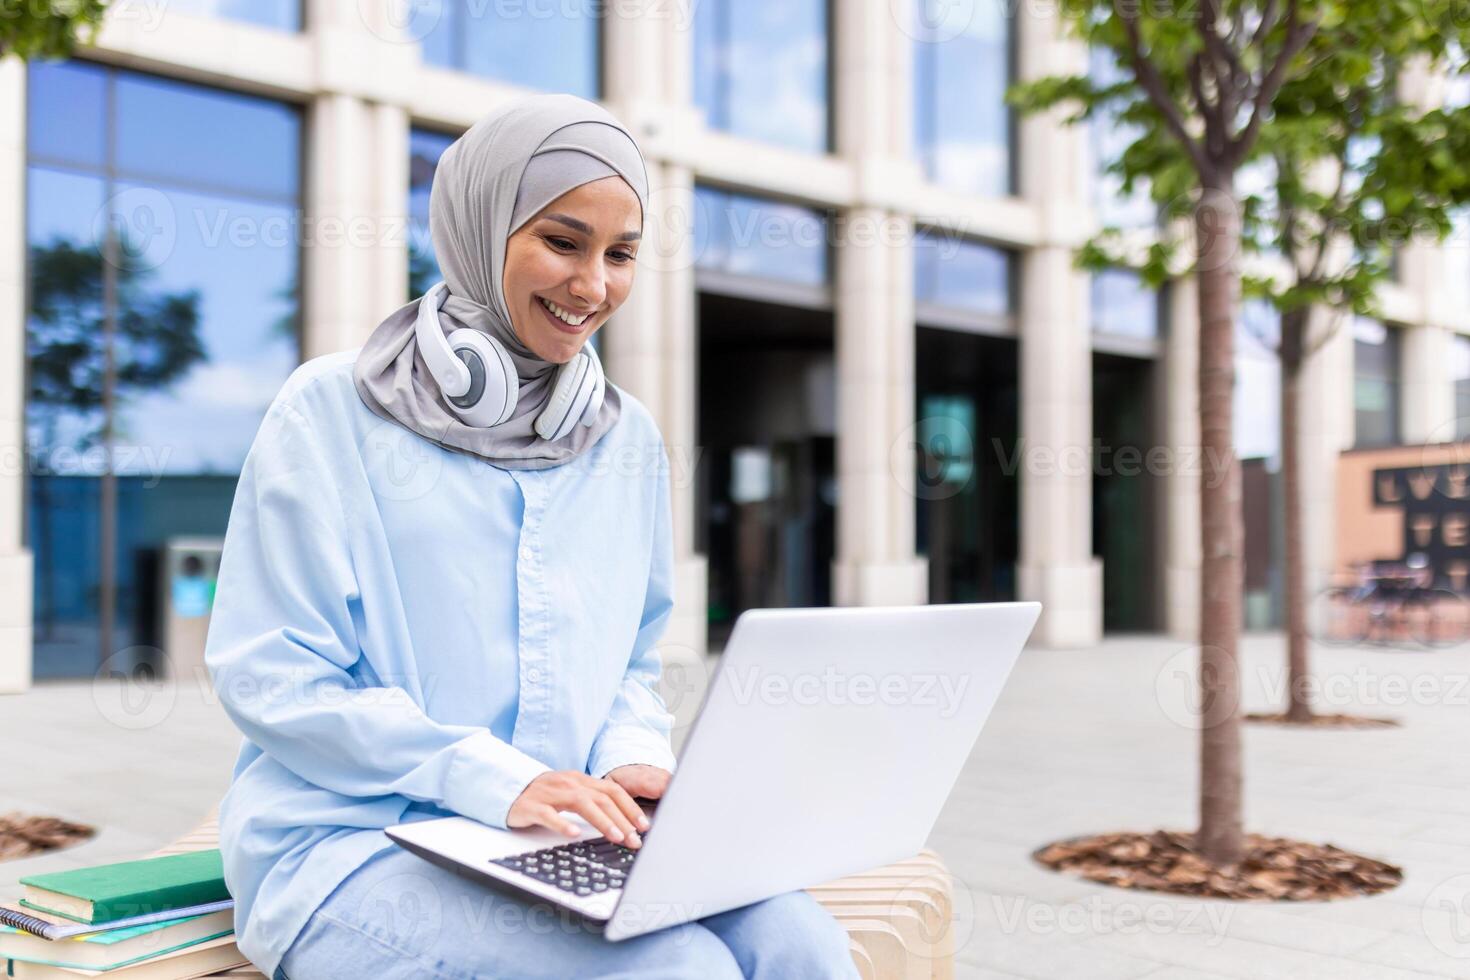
[[1056, 565], [15, 561], [876, 427], [355, 198], [876, 561], [350, 250], [1326, 429], [1426, 385], [650, 347], [1182, 548]]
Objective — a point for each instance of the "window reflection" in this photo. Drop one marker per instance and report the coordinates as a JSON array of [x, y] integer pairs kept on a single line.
[[425, 147], [1123, 305], [196, 311], [962, 274], [760, 69], [1375, 382], [1108, 138], [963, 63], [751, 236], [284, 14], [1257, 400], [550, 46], [1460, 371]]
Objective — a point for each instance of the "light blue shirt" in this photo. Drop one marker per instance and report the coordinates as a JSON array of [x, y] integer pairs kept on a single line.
[[402, 631]]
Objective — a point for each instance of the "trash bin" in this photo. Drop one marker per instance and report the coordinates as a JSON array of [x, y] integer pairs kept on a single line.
[[189, 569]]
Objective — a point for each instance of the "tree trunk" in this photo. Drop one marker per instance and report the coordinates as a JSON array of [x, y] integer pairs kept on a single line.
[[1298, 673], [1217, 235]]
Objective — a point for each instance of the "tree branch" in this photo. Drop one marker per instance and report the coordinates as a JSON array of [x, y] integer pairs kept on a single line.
[[1158, 93], [1298, 33], [1225, 62]]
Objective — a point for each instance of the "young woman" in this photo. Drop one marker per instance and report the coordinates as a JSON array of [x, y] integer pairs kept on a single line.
[[442, 583]]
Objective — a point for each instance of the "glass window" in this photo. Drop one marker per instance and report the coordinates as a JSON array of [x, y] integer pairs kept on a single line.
[[201, 327], [962, 274], [1123, 305], [161, 127], [284, 14], [761, 71], [1108, 138], [554, 47], [68, 97], [963, 63], [1257, 401], [1375, 382], [425, 148], [1460, 365], [751, 236]]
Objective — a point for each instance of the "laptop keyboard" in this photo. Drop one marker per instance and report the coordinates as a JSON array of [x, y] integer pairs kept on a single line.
[[585, 867]]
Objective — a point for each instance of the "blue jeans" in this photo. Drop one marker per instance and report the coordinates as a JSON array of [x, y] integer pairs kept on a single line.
[[398, 916]]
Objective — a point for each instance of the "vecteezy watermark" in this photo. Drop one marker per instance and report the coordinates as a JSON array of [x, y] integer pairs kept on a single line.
[[1098, 915], [683, 682], [943, 693], [1445, 916], [936, 457], [149, 462], [1192, 689], [1362, 687], [129, 694]]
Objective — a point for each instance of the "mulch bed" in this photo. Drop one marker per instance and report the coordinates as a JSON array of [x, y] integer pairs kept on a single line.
[[22, 835], [1274, 868], [1321, 721]]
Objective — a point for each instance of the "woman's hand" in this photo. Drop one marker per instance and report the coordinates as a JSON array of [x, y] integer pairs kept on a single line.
[[648, 782], [603, 803]]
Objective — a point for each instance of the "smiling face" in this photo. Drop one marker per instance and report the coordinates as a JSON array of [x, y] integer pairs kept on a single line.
[[571, 266]]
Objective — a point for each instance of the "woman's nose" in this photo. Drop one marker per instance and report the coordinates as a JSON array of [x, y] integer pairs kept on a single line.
[[589, 285]]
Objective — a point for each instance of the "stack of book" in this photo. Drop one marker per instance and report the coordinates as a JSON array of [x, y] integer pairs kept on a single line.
[[165, 918]]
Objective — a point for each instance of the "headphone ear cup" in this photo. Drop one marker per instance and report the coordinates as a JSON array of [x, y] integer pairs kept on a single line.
[[494, 385], [568, 398]]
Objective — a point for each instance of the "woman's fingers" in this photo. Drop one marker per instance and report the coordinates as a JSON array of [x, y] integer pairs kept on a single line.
[[589, 807], [625, 826], [549, 817], [625, 803], [601, 802]]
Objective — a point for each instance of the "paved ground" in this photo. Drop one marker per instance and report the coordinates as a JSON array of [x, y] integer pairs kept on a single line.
[[1082, 741]]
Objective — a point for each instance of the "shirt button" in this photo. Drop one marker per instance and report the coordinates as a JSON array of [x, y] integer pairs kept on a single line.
[[534, 675], [525, 554]]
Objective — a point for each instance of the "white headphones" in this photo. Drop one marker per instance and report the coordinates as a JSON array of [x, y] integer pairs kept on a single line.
[[479, 381]]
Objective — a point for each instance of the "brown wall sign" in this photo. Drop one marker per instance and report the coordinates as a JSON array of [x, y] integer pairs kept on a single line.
[[1392, 503]]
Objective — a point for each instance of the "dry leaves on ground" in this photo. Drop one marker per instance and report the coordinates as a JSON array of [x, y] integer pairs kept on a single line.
[[22, 835], [1321, 721], [1274, 868]]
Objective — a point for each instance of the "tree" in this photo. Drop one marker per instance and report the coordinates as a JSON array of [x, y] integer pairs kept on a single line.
[[34, 30], [78, 360], [1208, 87], [1385, 172]]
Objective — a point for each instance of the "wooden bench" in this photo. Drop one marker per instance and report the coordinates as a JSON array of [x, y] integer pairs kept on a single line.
[[897, 917]]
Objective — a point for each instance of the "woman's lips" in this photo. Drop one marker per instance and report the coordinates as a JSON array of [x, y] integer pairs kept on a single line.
[[559, 323]]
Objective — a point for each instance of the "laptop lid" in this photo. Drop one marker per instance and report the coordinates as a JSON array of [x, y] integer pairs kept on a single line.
[[827, 744]]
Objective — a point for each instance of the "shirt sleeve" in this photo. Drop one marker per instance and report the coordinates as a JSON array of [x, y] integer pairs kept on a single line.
[[284, 638], [638, 726]]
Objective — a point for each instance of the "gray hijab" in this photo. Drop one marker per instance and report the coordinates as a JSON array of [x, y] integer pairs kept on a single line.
[[489, 182]]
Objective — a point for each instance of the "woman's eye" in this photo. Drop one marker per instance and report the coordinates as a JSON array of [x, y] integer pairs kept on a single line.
[[563, 244], [621, 257]]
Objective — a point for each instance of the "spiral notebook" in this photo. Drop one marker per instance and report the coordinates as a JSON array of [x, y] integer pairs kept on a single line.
[[46, 929]]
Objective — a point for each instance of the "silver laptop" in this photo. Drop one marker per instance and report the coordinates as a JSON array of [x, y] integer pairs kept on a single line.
[[827, 744]]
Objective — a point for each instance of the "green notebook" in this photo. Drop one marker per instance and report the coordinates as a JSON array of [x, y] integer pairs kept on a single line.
[[116, 891]]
